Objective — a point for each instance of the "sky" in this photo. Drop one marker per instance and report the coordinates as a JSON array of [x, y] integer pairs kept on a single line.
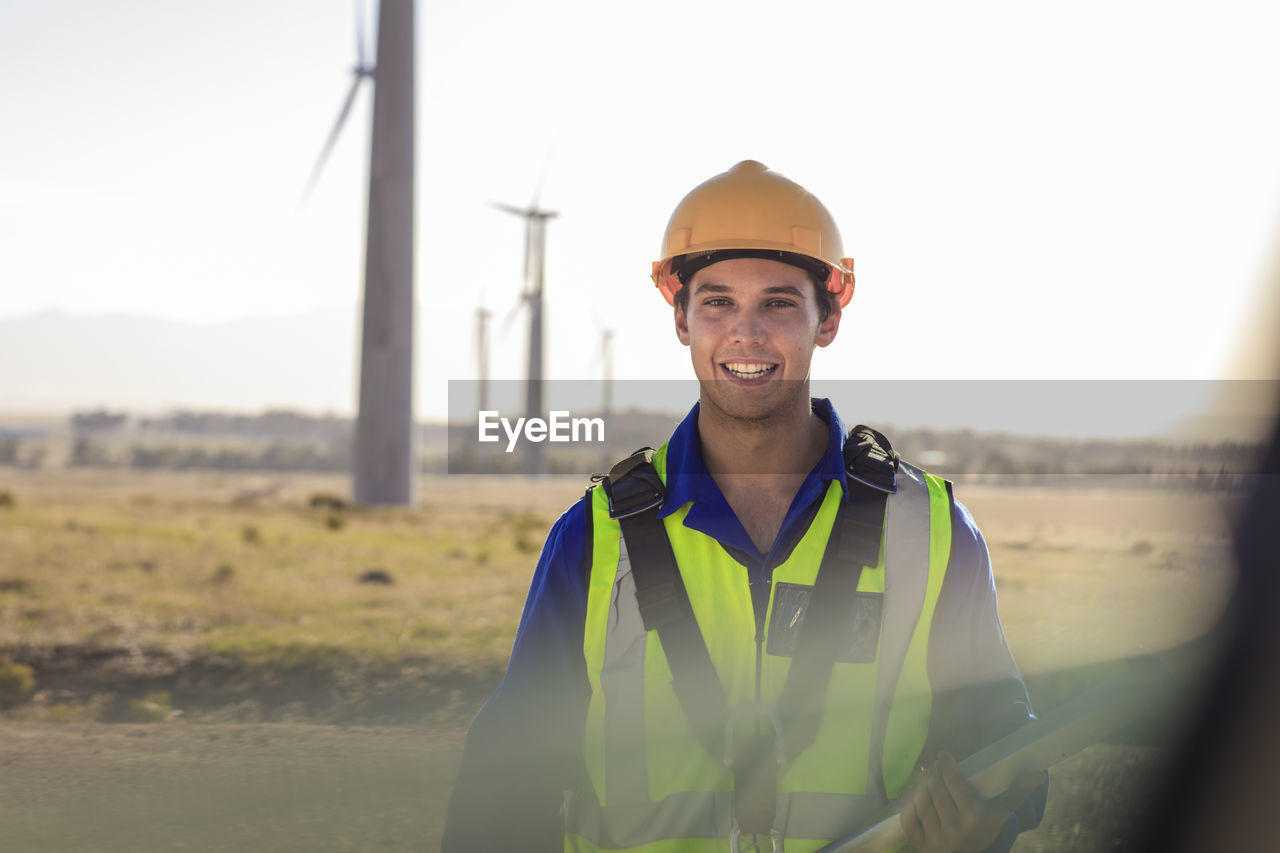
[[1030, 191]]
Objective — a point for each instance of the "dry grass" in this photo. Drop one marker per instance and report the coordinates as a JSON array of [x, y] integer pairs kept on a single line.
[[1086, 577], [205, 565]]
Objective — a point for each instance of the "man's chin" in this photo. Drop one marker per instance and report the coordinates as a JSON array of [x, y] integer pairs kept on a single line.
[[766, 402]]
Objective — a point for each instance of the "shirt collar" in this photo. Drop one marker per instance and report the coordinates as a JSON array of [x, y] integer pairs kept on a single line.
[[831, 466], [688, 479]]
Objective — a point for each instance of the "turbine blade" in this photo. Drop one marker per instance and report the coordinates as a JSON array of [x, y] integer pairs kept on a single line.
[[333, 135], [482, 329], [528, 255], [542, 180], [597, 357], [510, 317], [359, 34], [507, 208]]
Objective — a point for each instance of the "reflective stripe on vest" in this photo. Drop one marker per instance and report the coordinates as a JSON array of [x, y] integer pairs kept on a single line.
[[651, 781]]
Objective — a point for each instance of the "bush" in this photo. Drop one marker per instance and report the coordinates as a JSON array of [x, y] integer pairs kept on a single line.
[[224, 573], [65, 712], [7, 500], [378, 576], [326, 500], [17, 680], [153, 708]]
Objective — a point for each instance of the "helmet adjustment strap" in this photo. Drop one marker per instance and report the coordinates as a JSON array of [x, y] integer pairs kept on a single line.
[[687, 265]]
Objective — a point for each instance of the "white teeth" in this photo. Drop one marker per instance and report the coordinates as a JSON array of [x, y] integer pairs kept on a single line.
[[748, 370]]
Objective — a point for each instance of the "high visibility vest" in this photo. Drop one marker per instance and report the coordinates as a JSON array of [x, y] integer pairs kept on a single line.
[[652, 786]]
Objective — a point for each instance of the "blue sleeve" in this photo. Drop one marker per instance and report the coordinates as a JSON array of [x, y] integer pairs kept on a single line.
[[524, 748], [979, 695]]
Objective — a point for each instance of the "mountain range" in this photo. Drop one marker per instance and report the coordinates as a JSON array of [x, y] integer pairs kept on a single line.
[[55, 362]]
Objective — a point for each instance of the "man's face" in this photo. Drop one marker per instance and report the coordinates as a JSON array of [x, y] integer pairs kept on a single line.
[[751, 326]]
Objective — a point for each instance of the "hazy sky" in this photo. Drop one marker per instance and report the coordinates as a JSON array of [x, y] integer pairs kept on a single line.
[[1071, 191]]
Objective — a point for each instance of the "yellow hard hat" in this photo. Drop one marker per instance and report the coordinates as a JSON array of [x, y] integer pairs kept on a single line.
[[753, 210]]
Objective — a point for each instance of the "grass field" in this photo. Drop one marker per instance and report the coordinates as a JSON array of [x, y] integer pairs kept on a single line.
[[197, 613]]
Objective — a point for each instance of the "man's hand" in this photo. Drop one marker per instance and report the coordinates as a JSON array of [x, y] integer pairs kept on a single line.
[[943, 813]]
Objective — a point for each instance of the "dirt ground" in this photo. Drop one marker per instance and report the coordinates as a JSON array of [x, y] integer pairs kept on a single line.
[[266, 787], [284, 787]]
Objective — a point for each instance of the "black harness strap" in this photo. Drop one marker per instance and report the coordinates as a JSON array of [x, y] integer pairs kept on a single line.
[[854, 543], [635, 494]]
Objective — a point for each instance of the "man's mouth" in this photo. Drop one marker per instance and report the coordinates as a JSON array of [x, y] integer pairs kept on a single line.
[[746, 370]]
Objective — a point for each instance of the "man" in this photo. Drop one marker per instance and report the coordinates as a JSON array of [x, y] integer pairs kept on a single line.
[[766, 630]]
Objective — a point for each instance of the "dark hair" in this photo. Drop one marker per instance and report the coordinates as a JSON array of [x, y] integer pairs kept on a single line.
[[685, 267]]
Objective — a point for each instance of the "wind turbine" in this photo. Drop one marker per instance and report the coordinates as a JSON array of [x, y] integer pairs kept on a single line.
[[606, 355], [535, 246], [384, 464], [482, 358]]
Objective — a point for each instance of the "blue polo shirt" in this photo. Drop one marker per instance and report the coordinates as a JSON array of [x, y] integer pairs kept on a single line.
[[524, 748]]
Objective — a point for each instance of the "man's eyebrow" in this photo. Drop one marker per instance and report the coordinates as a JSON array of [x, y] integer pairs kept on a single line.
[[714, 288]]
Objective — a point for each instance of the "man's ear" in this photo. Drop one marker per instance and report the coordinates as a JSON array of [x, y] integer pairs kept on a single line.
[[682, 325], [827, 328]]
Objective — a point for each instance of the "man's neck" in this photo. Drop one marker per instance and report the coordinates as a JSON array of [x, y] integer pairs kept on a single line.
[[760, 464], [789, 443]]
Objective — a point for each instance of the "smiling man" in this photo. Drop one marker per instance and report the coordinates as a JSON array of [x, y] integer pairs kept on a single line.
[[766, 630]]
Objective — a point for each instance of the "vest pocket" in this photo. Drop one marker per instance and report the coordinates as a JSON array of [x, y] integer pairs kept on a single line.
[[861, 636]]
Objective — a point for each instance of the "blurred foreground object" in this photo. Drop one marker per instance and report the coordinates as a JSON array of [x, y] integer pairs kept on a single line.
[[1148, 686], [1222, 792]]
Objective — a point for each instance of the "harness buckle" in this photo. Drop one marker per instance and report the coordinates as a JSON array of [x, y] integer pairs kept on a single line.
[[870, 459], [755, 775], [759, 710], [735, 836], [633, 485]]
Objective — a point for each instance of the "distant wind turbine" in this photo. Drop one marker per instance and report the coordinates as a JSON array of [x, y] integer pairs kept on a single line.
[[384, 464], [603, 358], [535, 246], [606, 355], [482, 358]]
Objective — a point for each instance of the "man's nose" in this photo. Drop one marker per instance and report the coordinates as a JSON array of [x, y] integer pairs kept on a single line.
[[748, 326]]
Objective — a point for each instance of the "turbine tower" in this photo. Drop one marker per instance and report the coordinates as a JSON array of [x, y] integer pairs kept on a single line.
[[535, 246], [384, 463]]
